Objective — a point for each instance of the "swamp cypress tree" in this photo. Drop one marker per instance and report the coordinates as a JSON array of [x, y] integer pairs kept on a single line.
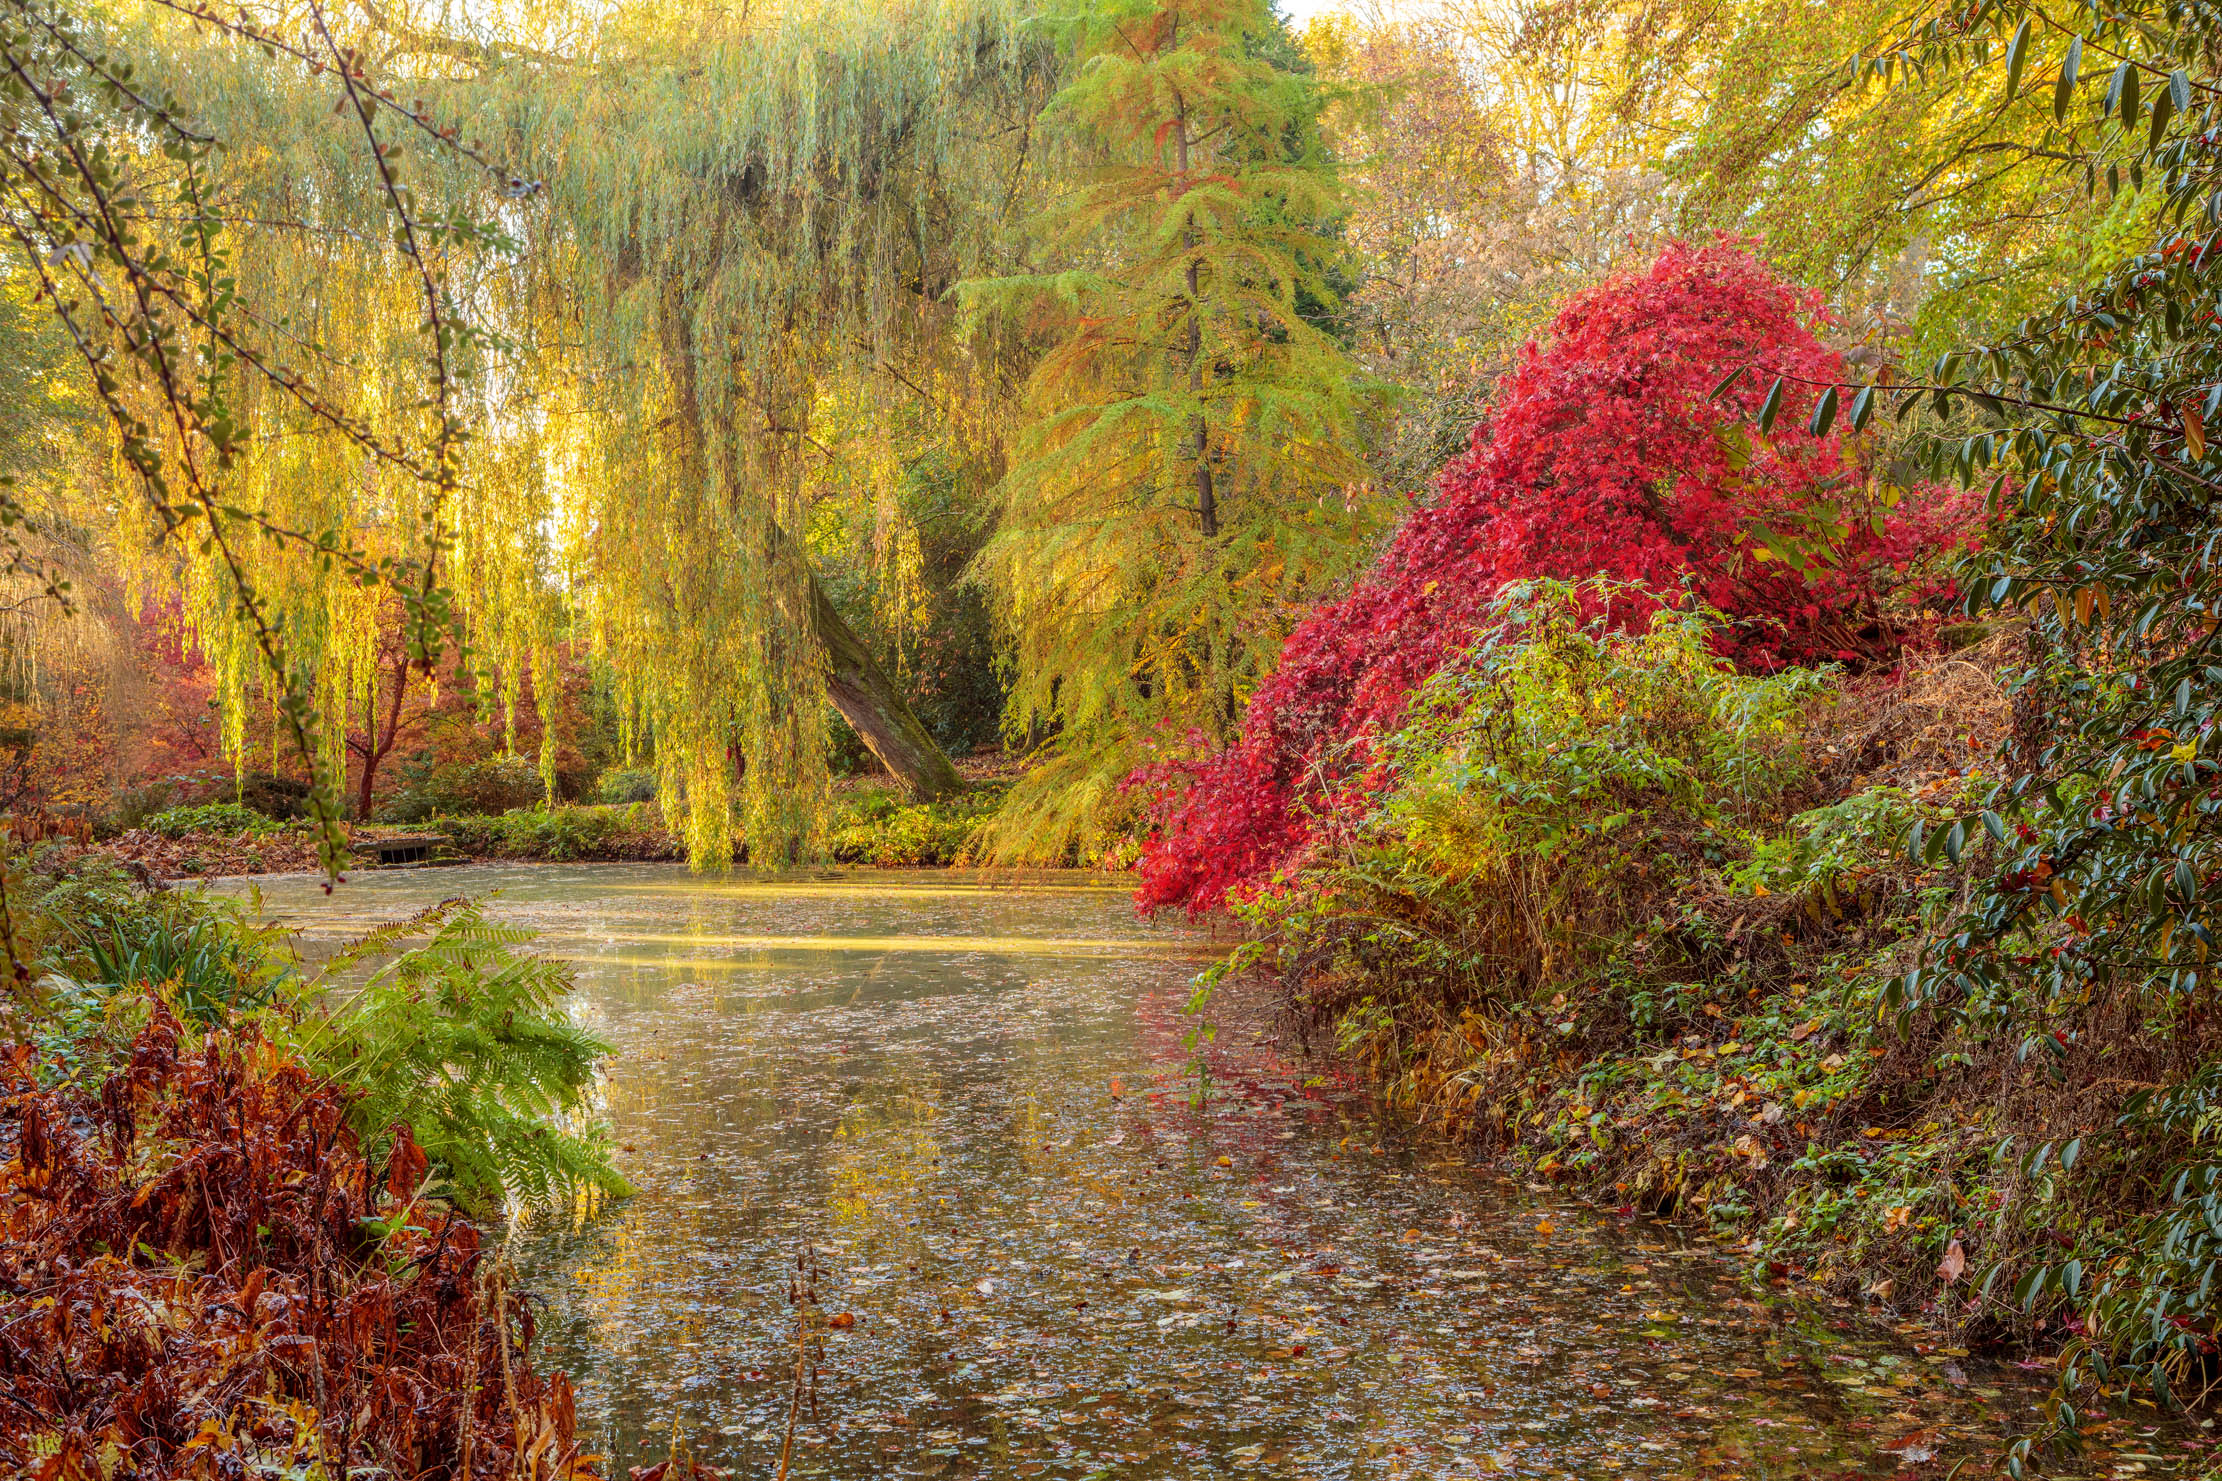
[[1187, 470]]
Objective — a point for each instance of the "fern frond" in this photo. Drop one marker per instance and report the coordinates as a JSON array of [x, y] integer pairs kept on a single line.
[[464, 1039]]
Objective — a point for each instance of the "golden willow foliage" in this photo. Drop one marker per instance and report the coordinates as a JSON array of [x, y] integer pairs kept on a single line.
[[732, 302], [120, 215], [738, 265], [1189, 473], [335, 292], [754, 220]]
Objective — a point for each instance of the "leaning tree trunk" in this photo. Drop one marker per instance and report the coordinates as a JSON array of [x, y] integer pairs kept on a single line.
[[875, 708]]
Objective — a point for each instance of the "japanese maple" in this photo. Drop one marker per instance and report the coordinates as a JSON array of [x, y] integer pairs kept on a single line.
[[1612, 449]]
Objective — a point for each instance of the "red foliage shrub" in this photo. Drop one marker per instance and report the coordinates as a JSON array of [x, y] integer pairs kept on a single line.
[[1607, 453], [200, 1276]]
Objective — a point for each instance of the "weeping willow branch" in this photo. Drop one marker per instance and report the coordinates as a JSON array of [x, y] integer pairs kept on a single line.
[[169, 349]]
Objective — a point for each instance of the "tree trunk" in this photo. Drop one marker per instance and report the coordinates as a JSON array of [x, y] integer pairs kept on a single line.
[[875, 708], [374, 746]]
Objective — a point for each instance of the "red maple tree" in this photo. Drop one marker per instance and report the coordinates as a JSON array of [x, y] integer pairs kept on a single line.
[[1612, 450]]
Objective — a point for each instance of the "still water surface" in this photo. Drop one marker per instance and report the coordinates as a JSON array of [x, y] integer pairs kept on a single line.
[[964, 1100]]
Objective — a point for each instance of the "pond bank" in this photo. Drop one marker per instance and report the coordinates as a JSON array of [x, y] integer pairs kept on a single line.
[[871, 825]]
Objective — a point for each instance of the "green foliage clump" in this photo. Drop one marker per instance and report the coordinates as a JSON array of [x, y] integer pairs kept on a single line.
[[201, 952], [494, 785], [1546, 795], [561, 835], [880, 829], [463, 1038], [440, 1022], [2094, 866], [1828, 850], [97, 943], [1591, 910], [622, 786], [226, 818]]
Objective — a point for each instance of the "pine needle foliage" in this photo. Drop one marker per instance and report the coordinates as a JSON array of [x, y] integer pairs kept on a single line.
[[462, 1037], [1187, 469]]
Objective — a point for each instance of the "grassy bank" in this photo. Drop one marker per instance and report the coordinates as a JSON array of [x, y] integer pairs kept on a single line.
[[871, 824]]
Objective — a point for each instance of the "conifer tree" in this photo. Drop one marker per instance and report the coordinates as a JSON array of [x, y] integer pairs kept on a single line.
[[1188, 466]]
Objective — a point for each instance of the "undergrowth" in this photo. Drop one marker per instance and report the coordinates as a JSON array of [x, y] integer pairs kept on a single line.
[[1643, 924], [236, 1191], [878, 827], [226, 818]]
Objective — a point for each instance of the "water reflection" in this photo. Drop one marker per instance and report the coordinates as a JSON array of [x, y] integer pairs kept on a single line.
[[966, 1095]]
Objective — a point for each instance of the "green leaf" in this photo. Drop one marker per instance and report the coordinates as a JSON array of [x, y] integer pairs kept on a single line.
[[1824, 414], [2017, 52], [1771, 406], [2064, 90], [1863, 408]]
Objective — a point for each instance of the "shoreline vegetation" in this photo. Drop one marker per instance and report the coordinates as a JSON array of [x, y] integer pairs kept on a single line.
[[871, 823], [246, 1202]]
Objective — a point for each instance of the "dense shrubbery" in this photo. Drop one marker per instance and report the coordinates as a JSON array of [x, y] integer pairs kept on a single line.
[[455, 1031], [1946, 1039], [621, 786], [473, 788], [1609, 452], [1550, 789], [228, 818], [1601, 907], [561, 835], [202, 1274], [879, 828], [275, 1163]]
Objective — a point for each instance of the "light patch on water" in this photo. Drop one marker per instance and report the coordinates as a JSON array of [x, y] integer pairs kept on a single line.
[[928, 945]]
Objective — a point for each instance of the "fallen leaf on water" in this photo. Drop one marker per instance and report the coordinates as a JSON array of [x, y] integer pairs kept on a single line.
[[841, 1321]]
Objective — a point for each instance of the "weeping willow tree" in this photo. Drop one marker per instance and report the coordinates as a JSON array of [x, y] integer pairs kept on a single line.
[[224, 408], [728, 304], [754, 221], [1188, 473], [729, 299]]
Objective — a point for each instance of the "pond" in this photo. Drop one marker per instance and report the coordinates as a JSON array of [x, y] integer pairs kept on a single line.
[[962, 1106]]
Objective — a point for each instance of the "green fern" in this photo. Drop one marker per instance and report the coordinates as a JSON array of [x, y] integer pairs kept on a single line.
[[463, 1037]]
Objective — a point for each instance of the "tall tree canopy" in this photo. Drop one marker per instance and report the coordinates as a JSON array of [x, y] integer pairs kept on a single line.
[[745, 237], [1188, 467]]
